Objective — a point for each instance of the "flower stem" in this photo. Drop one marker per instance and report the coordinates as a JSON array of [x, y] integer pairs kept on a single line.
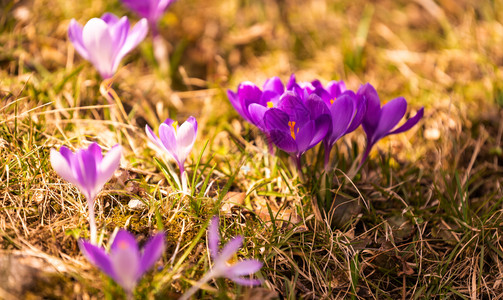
[[92, 223], [328, 148], [198, 285], [183, 179]]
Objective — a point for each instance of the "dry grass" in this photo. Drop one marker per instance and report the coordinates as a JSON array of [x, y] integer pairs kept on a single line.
[[428, 219]]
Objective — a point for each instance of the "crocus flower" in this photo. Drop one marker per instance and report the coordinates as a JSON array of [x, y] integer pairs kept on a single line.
[[177, 141], [125, 264], [251, 102], [152, 10], [379, 122], [221, 266], [346, 109], [296, 126], [88, 170], [104, 42]]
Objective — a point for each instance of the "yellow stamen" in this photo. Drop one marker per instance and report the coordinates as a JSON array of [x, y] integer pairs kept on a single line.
[[270, 104], [292, 128], [175, 125]]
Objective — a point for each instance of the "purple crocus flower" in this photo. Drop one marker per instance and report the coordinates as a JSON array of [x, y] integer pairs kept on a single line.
[[221, 266], [125, 264], [88, 170], [296, 126], [177, 141], [152, 10], [251, 102], [104, 42], [379, 122]]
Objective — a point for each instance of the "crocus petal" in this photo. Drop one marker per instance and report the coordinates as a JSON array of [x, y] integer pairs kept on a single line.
[[151, 253], [256, 113], [229, 249], [373, 112], [87, 173], [244, 267], [135, 36], [75, 35], [185, 136], [108, 165], [304, 137], [336, 88], [342, 112], [276, 119], [274, 84], [293, 106], [410, 122], [168, 138], [391, 113], [245, 281], [236, 103], [322, 125], [97, 40], [213, 237], [316, 106], [125, 258], [283, 140], [98, 257], [62, 167], [142, 8], [361, 109], [110, 18], [153, 137]]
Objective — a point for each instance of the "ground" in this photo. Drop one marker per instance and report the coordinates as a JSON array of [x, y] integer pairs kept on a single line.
[[422, 218]]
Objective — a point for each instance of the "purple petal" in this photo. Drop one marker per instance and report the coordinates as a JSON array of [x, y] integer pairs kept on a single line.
[[304, 137], [124, 240], [169, 122], [97, 39], [142, 8], [151, 253], [168, 138], [246, 281], [316, 106], [256, 113], [98, 257], [276, 119], [342, 112], [410, 122], [192, 121], [135, 36], [324, 95], [75, 35], [108, 165], [61, 165], [95, 150], [291, 83], [110, 18], [336, 88], [213, 237], [373, 112], [185, 138], [153, 137], [293, 106], [230, 249], [274, 84], [87, 172], [322, 125], [248, 93], [391, 113], [236, 103], [283, 140], [361, 109], [244, 267]]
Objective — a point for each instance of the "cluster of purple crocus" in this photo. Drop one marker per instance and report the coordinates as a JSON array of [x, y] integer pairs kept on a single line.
[[299, 116]]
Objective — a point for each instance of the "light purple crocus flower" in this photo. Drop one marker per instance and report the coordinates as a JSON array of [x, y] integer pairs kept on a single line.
[[125, 264], [380, 121], [296, 126], [177, 141], [221, 266], [88, 170], [105, 41], [152, 10]]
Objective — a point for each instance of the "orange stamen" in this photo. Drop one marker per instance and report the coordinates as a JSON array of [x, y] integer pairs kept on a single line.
[[175, 125], [292, 128]]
